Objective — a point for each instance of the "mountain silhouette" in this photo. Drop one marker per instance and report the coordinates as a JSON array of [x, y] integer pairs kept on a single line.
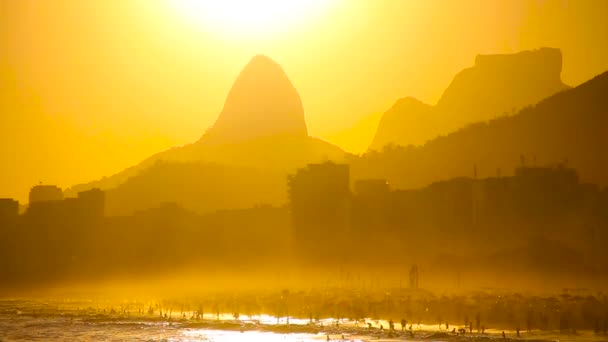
[[261, 103], [398, 123], [495, 85], [261, 131], [568, 127]]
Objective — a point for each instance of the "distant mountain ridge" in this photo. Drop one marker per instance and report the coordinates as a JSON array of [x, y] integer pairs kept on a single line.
[[495, 85], [568, 127], [261, 127]]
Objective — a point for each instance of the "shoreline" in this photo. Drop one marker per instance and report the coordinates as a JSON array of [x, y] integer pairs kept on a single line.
[[71, 314]]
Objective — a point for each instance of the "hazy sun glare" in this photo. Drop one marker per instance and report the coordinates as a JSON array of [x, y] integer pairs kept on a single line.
[[249, 19], [88, 88]]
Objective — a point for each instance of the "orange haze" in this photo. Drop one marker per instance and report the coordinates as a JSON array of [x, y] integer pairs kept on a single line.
[[88, 88]]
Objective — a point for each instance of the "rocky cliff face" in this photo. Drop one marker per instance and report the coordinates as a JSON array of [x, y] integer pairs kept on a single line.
[[262, 103], [495, 85], [499, 84], [566, 128]]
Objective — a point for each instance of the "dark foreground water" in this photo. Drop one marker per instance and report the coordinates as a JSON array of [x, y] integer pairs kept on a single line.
[[25, 320]]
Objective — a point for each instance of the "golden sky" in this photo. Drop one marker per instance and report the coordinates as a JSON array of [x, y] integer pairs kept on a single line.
[[88, 87]]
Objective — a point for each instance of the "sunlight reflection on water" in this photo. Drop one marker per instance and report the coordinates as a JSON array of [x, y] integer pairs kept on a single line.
[[41, 321], [253, 336]]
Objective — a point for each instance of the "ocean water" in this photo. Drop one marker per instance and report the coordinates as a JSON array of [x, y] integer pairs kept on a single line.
[[35, 320], [28, 320], [61, 329]]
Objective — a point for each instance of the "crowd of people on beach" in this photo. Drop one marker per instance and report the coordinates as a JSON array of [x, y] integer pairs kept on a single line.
[[475, 312]]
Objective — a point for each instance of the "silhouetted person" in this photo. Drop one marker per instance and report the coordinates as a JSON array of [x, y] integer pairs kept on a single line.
[[369, 326], [503, 334], [517, 331], [391, 325], [483, 329], [403, 324], [470, 327]]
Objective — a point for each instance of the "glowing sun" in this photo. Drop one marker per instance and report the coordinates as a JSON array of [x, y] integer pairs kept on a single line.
[[250, 18]]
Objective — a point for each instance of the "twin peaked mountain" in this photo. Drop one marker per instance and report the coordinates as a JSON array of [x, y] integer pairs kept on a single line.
[[242, 160], [261, 136], [262, 103]]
